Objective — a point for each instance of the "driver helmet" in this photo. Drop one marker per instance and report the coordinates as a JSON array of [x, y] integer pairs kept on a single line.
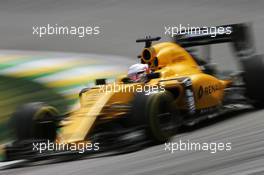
[[138, 72]]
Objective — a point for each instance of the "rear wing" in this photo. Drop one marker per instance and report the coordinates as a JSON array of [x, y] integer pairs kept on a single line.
[[239, 35]]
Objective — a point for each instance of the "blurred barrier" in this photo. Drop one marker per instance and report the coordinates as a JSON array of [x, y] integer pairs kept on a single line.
[[54, 78]]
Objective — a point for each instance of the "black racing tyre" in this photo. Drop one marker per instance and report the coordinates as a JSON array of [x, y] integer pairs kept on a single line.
[[34, 121], [254, 79], [157, 113]]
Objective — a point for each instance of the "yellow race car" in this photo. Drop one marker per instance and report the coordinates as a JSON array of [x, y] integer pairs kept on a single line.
[[174, 89]]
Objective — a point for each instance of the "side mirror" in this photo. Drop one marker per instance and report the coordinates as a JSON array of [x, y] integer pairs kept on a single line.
[[101, 81], [153, 75]]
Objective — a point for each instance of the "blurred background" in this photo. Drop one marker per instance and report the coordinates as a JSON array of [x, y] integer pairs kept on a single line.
[[52, 77], [54, 68]]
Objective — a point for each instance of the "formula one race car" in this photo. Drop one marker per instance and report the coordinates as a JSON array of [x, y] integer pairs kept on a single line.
[[178, 89]]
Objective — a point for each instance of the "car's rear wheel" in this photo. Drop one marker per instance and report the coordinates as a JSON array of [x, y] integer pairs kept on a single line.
[[254, 79], [157, 113]]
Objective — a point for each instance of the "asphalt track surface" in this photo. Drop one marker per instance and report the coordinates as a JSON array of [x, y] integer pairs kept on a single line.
[[123, 22]]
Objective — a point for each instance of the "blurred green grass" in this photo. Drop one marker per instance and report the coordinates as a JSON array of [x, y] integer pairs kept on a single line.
[[17, 91]]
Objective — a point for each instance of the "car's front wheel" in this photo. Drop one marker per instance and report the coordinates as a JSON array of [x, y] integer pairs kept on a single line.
[[34, 121]]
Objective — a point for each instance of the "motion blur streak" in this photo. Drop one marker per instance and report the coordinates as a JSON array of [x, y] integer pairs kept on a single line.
[[55, 78]]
